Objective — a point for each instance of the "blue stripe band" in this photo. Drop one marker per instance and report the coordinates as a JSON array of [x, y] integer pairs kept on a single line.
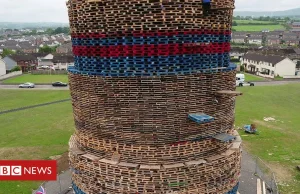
[[126, 73], [176, 39], [156, 65]]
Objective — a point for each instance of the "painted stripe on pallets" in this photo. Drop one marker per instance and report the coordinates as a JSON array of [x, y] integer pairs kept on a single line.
[[152, 64], [151, 50], [176, 39], [151, 33], [33, 106], [186, 71]]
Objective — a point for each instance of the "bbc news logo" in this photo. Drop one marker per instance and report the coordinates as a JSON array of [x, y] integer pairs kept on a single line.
[[28, 170]]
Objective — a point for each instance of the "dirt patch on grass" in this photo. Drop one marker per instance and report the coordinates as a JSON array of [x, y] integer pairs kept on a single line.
[[283, 173], [266, 124], [33, 153], [63, 162], [20, 153]]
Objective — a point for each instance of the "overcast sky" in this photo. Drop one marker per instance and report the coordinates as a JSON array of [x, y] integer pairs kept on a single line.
[[55, 10]]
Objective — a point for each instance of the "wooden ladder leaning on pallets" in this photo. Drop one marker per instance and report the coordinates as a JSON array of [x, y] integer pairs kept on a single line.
[[261, 187]]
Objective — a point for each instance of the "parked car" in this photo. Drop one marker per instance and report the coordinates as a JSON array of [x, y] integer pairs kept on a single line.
[[59, 84], [27, 85]]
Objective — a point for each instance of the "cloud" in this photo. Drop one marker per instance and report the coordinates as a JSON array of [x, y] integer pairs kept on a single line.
[[56, 11], [266, 5], [33, 11]]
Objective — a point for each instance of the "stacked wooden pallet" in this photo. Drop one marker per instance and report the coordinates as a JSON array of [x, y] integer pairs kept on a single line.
[[145, 71]]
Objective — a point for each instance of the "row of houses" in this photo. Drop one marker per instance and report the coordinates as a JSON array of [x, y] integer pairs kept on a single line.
[[31, 44], [29, 62], [269, 66], [267, 37]]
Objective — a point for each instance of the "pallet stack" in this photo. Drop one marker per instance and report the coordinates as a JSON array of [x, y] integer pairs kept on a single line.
[[153, 95]]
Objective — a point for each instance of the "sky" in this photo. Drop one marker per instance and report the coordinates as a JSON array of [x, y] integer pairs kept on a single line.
[[56, 11]]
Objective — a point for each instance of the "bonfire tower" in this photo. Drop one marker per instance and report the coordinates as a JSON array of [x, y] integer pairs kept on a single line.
[[153, 95]]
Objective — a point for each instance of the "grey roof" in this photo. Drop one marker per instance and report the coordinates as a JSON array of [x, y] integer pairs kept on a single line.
[[66, 45], [23, 57], [297, 51], [296, 23], [273, 59], [63, 59]]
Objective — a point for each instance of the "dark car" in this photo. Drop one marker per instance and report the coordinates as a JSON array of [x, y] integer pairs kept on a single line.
[[59, 84]]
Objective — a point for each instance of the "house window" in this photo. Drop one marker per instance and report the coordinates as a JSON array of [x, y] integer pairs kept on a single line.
[[272, 73]]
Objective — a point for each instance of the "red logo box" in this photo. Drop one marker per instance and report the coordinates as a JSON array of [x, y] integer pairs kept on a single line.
[[28, 170]]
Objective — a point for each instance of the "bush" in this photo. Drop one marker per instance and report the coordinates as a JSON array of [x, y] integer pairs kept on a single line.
[[16, 68], [242, 68]]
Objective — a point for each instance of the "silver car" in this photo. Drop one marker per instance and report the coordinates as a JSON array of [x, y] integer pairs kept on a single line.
[[27, 85]]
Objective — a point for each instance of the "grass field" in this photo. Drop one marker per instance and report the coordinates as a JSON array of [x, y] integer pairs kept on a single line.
[[257, 28], [249, 77], [252, 21], [34, 133], [11, 99], [43, 132], [36, 79], [278, 142]]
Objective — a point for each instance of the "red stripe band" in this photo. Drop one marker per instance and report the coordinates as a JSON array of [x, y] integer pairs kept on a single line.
[[151, 49], [150, 33]]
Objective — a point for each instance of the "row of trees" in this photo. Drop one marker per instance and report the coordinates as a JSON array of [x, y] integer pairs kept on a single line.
[[50, 31], [45, 49], [262, 18]]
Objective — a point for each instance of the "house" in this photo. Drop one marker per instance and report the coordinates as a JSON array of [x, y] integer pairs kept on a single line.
[[2, 67], [27, 47], [26, 62], [291, 38], [238, 37], [9, 63], [47, 60], [268, 65], [62, 62], [295, 26], [64, 48], [273, 41], [254, 38]]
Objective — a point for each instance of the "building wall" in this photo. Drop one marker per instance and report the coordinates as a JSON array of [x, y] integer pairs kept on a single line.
[[285, 68], [2, 68], [62, 66], [9, 63]]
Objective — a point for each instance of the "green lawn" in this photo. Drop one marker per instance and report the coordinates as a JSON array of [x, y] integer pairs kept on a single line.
[[34, 133], [10, 99], [252, 21], [257, 28], [278, 142], [36, 79], [43, 132], [249, 77]]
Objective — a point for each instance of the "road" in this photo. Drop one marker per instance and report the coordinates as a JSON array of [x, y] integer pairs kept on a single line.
[[275, 83], [50, 87]]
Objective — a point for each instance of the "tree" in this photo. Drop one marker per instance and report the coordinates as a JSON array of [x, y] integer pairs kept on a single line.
[[234, 23], [47, 49], [7, 52], [16, 68]]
